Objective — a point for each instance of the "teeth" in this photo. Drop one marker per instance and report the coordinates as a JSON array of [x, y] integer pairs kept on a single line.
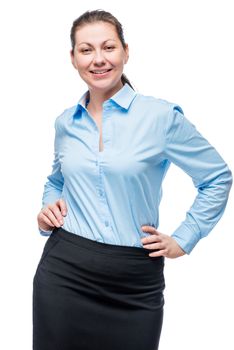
[[100, 72]]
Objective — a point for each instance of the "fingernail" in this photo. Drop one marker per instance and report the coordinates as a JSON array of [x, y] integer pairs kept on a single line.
[[61, 222]]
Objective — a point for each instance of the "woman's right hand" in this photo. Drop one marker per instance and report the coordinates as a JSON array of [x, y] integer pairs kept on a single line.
[[52, 215]]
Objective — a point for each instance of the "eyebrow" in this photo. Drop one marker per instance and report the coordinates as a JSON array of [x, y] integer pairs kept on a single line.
[[91, 44]]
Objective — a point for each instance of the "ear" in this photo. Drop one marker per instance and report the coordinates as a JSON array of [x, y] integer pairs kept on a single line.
[[72, 59], [126, 54]]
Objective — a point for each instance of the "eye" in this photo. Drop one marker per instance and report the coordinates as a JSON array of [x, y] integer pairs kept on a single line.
[[85, 50], [110, 47]]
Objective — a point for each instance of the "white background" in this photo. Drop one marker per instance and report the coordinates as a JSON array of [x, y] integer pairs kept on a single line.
[[181, 51]]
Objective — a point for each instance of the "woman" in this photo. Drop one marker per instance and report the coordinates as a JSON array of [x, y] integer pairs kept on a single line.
[[99, 283]]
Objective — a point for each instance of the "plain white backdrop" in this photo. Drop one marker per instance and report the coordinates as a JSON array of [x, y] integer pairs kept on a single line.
[[181, 51]]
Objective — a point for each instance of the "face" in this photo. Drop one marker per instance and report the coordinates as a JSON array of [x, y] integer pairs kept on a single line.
[[99, 56]]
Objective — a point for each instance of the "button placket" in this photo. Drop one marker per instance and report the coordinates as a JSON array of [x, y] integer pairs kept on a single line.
[[104, 210], [106, 138]]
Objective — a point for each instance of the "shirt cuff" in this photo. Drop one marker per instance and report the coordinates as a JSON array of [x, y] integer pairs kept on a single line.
[[45, 232], [186, 238]]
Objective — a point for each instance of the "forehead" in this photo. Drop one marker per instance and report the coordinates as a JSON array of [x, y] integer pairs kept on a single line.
[[96, 32]]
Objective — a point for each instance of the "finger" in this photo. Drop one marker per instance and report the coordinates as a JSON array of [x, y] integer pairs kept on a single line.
[[57, 212], [49, 212], [149, 229], [46, 220], [151, 239], [158, 246], [63, 206], [158, 253]]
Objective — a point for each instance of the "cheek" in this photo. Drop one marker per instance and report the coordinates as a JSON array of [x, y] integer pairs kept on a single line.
[[117, 61], [83, 62]]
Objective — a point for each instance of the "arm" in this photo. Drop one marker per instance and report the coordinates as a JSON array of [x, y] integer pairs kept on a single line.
[[54, 186], [188, 149]]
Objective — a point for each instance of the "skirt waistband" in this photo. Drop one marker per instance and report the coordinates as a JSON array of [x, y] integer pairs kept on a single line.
[[102, 248]]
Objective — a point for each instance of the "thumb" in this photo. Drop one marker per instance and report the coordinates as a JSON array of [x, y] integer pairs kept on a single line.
[[150, 229]]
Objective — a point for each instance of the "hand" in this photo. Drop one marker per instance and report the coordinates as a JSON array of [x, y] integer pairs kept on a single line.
[[166, 245], [52, 215]]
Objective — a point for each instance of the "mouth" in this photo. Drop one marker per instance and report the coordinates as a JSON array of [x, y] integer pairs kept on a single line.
[[100, 72]]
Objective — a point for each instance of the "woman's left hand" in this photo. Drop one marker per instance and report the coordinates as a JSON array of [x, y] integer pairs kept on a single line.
[[165, 245]]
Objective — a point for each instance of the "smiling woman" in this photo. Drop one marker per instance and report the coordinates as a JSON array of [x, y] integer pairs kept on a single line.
[[101, 41], [100, 281], [100, 62]]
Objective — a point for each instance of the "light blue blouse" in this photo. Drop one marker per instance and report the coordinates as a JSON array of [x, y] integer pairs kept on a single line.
[[111, 194]]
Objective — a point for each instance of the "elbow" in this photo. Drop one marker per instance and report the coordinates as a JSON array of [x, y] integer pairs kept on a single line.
[[218, 188], [229, 179], [225, 178], [224, 184]]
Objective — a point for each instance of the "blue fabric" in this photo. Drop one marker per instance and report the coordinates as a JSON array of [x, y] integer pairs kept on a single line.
[[111, 194]]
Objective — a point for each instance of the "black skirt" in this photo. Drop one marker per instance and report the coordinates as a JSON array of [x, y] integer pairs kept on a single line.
[[89, 295]]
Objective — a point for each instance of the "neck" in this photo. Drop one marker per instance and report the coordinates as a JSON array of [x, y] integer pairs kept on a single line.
[[97, 97]]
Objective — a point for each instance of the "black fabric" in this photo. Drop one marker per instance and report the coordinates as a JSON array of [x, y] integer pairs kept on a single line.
[[89, 295]]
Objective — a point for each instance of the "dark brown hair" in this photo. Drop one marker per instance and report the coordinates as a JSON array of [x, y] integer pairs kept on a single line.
[[95, 16]]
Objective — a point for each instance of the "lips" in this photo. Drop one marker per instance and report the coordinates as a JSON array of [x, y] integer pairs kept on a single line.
[[100, 72]]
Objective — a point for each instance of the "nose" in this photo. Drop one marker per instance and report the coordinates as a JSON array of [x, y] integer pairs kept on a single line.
[[98, 58]]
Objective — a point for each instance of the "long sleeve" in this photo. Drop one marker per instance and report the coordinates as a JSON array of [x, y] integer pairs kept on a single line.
[[117, 191], [54, 186], [188, 149]]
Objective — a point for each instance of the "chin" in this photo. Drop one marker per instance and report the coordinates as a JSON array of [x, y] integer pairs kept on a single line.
[[102, 85]]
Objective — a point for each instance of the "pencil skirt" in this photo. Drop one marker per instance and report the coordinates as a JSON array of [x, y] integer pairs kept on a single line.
[[89, 295]]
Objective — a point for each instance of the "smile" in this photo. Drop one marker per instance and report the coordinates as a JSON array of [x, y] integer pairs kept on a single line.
[[101, 72]]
